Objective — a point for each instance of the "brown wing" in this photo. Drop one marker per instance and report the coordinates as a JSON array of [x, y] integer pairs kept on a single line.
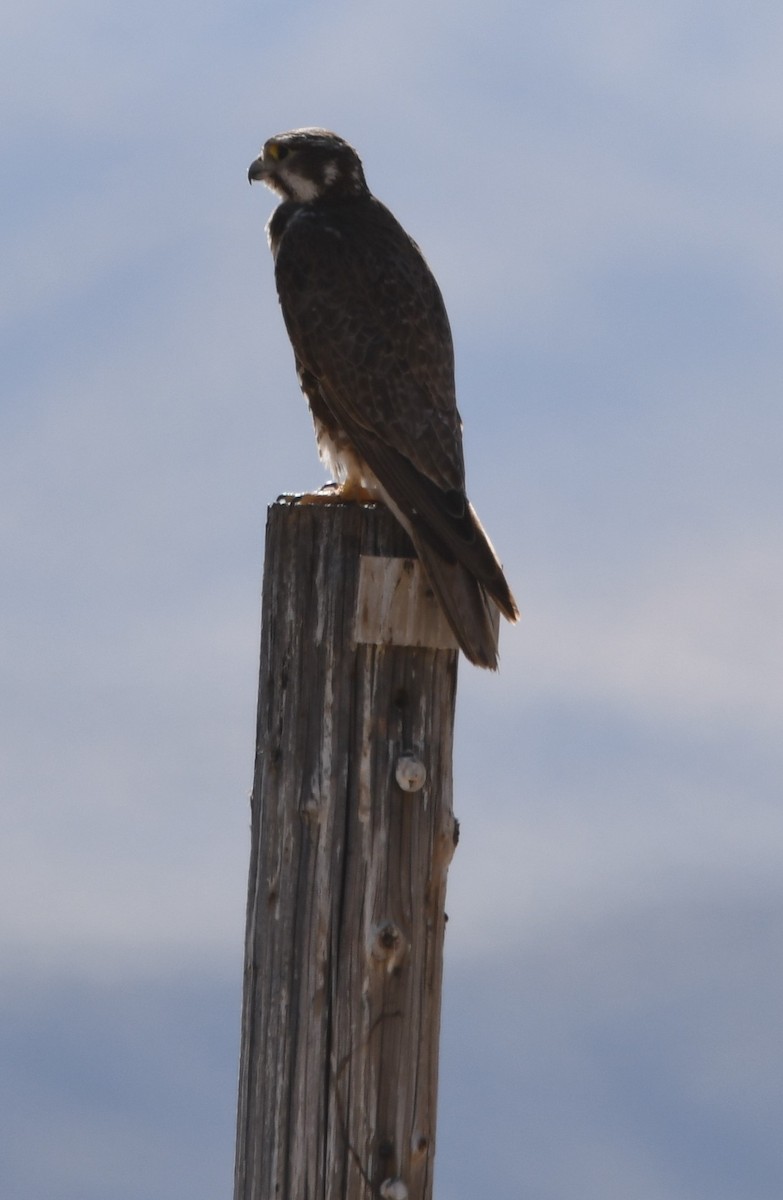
[[366, 318], [367, 321]]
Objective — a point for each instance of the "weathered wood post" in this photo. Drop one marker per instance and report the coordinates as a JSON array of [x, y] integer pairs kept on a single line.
[[352, 835]]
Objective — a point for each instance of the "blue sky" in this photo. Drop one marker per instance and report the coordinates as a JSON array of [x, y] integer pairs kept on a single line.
[[598, 188]]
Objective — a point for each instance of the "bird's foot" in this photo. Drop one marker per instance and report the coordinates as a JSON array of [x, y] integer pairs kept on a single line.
[[335, 493]]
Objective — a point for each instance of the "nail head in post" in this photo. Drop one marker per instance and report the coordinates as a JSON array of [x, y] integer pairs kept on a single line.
[[410, 773], [393, 1189]]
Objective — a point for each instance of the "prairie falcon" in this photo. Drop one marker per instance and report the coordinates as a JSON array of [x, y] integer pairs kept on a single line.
[[375, 360]]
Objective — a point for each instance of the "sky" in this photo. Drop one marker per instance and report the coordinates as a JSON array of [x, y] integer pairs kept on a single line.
[[598, 188]]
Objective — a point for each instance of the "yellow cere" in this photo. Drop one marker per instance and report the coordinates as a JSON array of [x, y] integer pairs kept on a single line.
[[272, 150]]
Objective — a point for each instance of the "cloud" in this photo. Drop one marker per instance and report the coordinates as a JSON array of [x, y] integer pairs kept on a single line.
[[612, 1070], [598, 191], [692, 636]]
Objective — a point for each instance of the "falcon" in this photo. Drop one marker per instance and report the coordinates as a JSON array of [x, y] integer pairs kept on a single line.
[[375, 360]]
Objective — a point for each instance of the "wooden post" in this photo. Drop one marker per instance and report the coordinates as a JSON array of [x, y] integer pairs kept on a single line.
[[352, 835]]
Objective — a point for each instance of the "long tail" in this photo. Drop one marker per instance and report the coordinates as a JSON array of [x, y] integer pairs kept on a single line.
[[470, 612], [464, 570]]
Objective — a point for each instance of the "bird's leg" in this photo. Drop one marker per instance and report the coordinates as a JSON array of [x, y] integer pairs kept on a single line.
[[352, 491]]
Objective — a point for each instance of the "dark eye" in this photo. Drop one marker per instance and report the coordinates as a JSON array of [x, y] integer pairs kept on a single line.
[[275, 150]]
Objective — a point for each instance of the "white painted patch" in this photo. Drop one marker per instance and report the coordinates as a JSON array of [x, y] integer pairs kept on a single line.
[[395, 606]]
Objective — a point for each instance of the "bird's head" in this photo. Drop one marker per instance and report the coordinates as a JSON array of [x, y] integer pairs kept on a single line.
[[309, 164]]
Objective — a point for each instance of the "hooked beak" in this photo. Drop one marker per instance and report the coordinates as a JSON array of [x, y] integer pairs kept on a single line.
[[257, 170]]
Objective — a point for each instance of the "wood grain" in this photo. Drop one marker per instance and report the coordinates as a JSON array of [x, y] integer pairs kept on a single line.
[[345, 918]]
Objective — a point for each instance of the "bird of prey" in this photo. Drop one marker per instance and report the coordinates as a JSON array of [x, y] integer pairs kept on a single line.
[[375, 360]]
